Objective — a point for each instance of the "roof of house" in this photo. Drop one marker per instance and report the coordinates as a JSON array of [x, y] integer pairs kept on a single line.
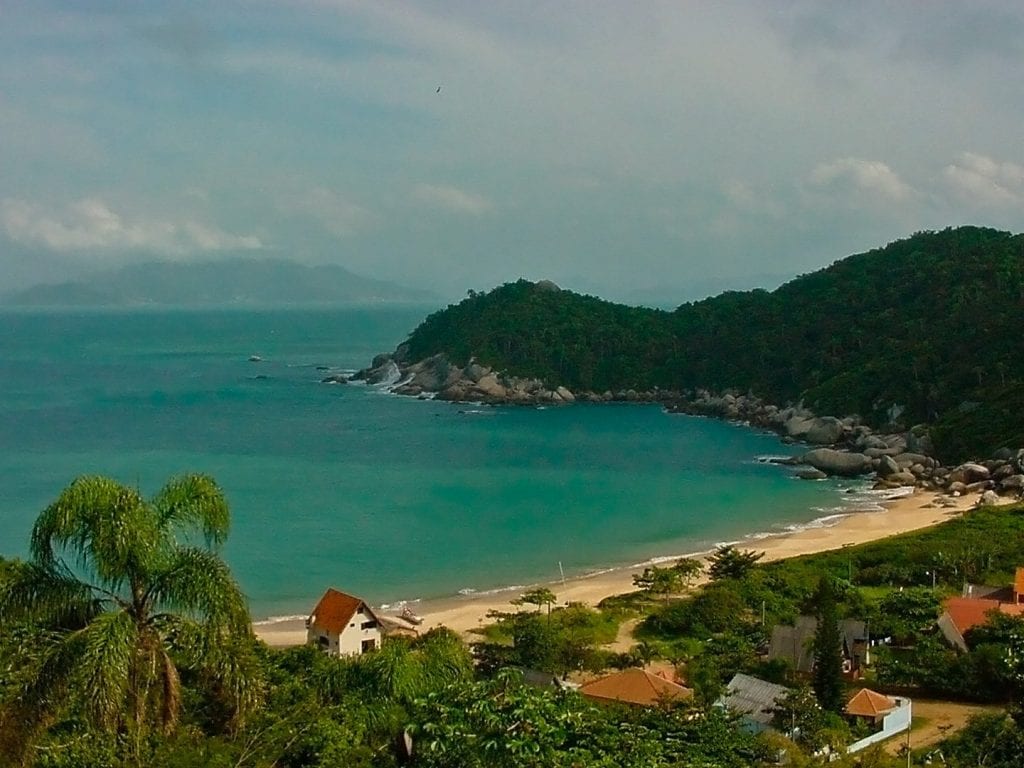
[[966, 612], [752, 697], [1018, 583], [867, 703], [793, 643], [634, 686], [335, 610]]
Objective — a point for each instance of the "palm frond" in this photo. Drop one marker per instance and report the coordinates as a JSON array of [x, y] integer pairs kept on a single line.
[[105, 524], [48, 594], [105, 666], [199, 583], [57, 662], [194, 501]]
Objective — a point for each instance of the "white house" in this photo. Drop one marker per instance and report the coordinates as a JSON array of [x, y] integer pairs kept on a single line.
[[343, 625]]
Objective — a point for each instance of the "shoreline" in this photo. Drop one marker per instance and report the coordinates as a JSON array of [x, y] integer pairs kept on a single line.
[[467, 612]]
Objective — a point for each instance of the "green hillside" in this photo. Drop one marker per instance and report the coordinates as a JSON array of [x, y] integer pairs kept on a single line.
[[929, 324]]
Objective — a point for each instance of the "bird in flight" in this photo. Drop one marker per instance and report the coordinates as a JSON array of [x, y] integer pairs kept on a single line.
[[438, 89]]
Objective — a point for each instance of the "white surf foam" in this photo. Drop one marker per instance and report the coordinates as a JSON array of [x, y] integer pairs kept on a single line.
[[280, 619]]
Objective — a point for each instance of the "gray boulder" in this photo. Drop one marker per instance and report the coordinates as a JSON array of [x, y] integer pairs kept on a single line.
[[798, 425], [988, 498], [973, 473], [811, 474], [490, 387], [902, 478], [1012, 484], [836, 462], [887, 466], [824, 431], [956, 488]]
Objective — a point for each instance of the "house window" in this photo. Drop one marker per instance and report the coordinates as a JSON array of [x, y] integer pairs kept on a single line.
[[371, 624], [368, 645], [323, 641]]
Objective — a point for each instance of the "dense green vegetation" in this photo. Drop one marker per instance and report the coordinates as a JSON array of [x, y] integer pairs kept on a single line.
[[929, 323], [124, 642], [888, 583]]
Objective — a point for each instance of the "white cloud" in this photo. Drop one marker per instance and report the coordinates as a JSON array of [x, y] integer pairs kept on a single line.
[[750, 199], [452, 198], [91, 224], [858, 176], [333, 211], [984, 181]]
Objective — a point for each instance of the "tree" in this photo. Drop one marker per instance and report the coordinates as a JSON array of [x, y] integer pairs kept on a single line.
[[688, 568], [658, 581], [537, 596], [730, 563], [123, 605], [827, 680], [799, 715]]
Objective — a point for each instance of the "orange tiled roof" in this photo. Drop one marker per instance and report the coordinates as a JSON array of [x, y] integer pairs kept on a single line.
[[867, 703], [968, 612], [634, 686], [335, 610]]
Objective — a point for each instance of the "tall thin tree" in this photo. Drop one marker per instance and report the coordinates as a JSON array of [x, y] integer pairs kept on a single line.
[[827, 680]]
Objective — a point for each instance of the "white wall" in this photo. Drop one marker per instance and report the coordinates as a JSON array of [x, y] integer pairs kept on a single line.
[[351, 641], [895, 722]]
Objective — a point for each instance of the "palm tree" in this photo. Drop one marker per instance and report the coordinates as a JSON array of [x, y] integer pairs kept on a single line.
[[125, 596]]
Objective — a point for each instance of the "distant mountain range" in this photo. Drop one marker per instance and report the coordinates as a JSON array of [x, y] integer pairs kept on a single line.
[[230, 282]]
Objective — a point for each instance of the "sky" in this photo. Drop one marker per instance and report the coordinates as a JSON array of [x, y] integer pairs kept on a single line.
[[642, 151]]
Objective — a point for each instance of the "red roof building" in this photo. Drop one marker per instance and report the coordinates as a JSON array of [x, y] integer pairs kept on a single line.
[[635, 686], [343, 625], [869, 705]]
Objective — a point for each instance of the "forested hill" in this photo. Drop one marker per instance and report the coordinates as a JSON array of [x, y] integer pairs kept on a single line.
[[931, 324]]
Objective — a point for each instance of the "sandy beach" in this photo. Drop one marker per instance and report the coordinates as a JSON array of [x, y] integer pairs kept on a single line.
[[465, 613]]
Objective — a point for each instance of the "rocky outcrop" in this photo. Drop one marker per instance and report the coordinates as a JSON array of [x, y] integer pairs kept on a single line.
[[853, 449], [436, 376]]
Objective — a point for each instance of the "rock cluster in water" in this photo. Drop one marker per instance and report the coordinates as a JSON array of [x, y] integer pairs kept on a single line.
[[843, 446]]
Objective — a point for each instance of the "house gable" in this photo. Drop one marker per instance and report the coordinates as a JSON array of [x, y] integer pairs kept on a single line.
[[343, 625]]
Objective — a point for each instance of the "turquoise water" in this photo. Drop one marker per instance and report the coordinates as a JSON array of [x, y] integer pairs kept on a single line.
[[389, 497]]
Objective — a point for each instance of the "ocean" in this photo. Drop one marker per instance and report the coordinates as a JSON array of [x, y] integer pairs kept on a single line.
[[349, 486]]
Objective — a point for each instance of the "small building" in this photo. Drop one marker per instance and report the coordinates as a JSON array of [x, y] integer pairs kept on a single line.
[[754, 700], [794, 645], [343, 625], [635, 686], [887, 716]]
